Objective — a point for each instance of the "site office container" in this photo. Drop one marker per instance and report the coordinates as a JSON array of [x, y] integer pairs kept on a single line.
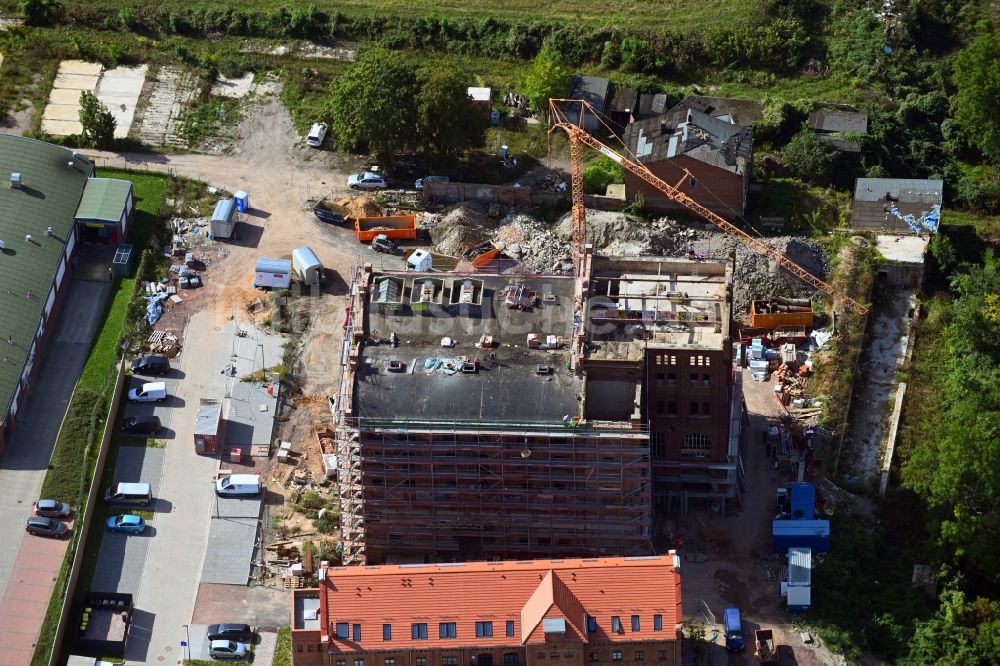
[[307, 266], [224, 218], [394, 227], [812, 534], [273, 274], [208, 427]]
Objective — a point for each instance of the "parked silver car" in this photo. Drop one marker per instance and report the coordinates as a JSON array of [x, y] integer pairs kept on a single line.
[[230, 650], [50, 508], [367, 180]]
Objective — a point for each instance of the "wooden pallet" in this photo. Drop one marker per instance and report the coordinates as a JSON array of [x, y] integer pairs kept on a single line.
[[293, 582], [155, 336]]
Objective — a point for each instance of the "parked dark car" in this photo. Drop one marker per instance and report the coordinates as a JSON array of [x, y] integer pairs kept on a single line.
[[151, 365], [142, 425], [50, 508], [241, 633], [46, 527]]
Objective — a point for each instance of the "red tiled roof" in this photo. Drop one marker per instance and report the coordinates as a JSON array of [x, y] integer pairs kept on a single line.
[[525, 592]]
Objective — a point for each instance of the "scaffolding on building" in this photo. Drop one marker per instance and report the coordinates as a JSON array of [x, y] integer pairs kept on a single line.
[[347, 436], [502, 490]]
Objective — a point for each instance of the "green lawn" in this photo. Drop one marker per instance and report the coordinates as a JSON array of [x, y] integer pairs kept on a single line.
[[986, 226], [72, 465]]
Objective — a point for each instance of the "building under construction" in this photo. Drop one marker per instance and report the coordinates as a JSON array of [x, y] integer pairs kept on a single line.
[[467, 438], [659, 330], [497, 417]]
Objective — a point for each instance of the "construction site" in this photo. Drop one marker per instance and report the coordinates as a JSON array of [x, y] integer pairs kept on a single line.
[[543, 408]]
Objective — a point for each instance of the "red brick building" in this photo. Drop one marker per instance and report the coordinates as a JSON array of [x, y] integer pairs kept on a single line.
[[714, 150], [614, 611], [660, 338]]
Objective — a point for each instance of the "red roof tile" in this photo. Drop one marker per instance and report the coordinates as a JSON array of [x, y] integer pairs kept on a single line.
[[525, 592]]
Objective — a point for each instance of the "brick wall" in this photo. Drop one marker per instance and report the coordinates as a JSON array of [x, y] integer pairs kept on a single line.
[[717, 189]]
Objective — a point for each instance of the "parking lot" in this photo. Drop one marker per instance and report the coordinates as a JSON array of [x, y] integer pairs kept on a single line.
[[197, 537], [122, 557], [166, 411]]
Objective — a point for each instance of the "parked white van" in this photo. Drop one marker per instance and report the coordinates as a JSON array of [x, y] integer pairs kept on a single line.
[[129, 493], [316, 135], [238, 485], [152, 392]]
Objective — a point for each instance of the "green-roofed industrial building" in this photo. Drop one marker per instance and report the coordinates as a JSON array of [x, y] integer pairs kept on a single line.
[[40, 233]]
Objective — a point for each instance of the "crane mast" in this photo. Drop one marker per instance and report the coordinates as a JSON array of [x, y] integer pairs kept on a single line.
[[578, 137]]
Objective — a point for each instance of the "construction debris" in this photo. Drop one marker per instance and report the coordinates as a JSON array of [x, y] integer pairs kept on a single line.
[[164, 343]]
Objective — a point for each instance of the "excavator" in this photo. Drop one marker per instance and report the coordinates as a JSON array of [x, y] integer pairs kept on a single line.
[[568, 115]]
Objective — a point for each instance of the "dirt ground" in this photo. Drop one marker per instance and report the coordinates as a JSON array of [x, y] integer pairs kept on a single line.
[[281, 177], [740, 569]]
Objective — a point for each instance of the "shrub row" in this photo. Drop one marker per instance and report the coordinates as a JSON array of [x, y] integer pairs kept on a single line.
[[776, 44]]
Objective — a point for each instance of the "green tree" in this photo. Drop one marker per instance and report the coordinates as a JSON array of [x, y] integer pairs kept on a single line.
[[373, 105], [961, 632], [977, 79], [545, 79], [601, 173], [957, 469], [41, 12], [943, 252], [447, 120], [809, 157], [98, 123]]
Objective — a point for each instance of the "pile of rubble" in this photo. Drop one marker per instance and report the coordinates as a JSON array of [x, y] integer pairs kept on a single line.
[[462, 228], [618, 234], [539, 247], [535, 246], [756, 276]]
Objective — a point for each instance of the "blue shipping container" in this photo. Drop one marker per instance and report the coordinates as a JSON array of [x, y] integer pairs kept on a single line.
[[814, 534], [803, 500]]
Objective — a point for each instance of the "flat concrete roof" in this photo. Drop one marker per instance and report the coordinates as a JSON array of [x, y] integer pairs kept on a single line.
[[655, 303], [250, 414], [511, 392], [903, 249]]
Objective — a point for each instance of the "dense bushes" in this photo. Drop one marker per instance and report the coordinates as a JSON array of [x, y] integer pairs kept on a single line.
[[598, 175], [776, 44]]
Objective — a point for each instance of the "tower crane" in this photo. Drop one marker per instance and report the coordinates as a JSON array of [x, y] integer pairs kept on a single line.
[[578, 137]]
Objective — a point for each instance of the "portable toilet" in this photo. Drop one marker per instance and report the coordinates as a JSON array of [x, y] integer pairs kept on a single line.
[[242, 200], [272, 274], [307, 266], [420, 261], [798, 590], [224, 219]]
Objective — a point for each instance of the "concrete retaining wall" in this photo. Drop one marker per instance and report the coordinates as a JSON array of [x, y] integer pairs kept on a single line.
[[84, 518], [452, 193]]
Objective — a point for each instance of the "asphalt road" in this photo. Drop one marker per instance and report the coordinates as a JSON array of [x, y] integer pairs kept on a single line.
[[23, 468], [174, 560]]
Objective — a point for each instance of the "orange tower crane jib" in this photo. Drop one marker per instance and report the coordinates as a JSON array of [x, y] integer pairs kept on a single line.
[[559, 119]]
